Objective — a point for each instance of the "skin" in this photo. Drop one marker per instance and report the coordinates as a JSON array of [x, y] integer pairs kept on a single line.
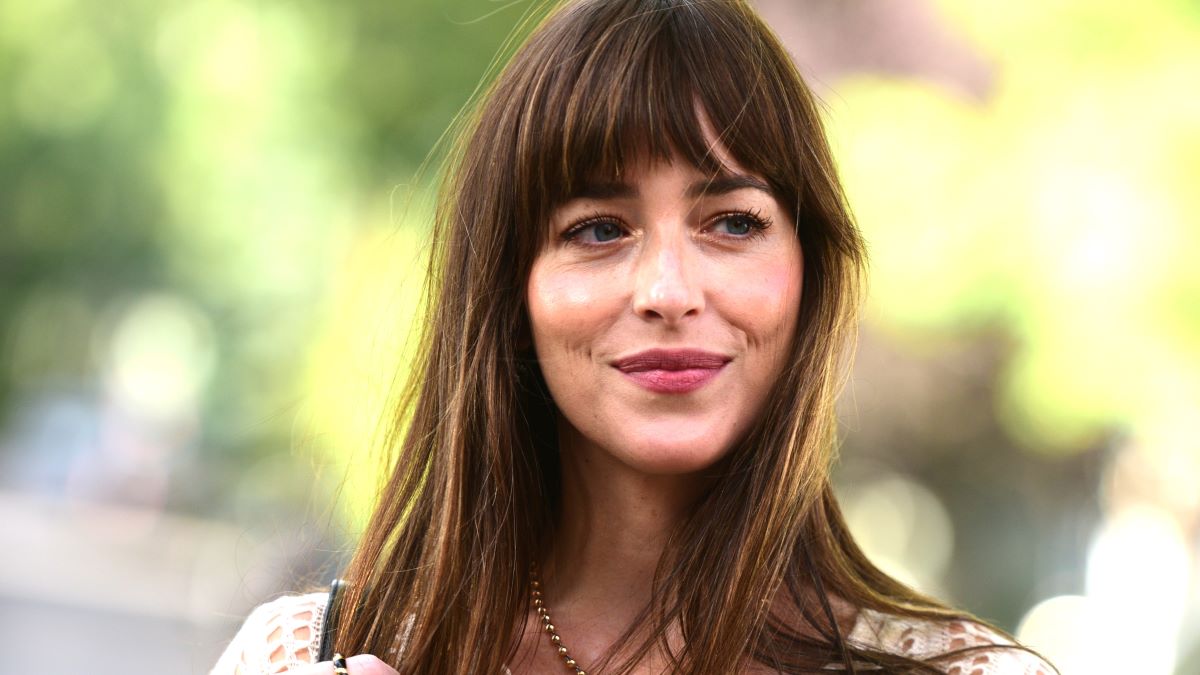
[[666, 266]]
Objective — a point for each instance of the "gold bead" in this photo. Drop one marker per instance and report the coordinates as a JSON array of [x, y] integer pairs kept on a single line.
[[544, 615]]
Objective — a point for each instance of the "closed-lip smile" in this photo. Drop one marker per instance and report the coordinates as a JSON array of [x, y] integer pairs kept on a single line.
[[672, 371]]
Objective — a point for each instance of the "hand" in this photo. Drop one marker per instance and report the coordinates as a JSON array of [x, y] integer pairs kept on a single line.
[[363, 664]]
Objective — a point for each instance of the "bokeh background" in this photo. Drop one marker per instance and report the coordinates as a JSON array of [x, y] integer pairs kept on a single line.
[[212, 224]]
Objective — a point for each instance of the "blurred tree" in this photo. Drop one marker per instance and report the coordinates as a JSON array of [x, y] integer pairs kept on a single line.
[[220, 152], [79, 203], [409, 68]]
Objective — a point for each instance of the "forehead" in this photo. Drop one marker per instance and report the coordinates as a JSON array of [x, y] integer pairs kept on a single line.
[[595, 152], [716, 171]]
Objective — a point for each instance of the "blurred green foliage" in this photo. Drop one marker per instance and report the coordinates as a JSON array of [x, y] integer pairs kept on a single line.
[[1056, 213], [224, 153]]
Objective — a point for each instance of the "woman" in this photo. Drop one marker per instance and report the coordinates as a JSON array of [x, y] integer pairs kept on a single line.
[[615, 457]]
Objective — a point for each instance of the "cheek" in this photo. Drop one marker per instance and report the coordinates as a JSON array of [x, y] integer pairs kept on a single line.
[[566, 310], [765, 304]]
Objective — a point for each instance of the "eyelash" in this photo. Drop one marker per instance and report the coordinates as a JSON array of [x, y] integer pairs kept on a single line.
[[757, 220]]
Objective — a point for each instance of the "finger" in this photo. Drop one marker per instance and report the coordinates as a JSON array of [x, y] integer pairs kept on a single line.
[[367, 664]]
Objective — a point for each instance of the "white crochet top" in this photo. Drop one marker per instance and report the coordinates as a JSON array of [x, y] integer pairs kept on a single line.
[[285, 633]]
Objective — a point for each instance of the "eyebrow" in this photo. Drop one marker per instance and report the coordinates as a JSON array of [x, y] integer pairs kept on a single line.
[[719, 185]]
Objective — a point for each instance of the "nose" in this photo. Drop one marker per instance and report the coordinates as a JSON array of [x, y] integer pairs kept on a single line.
[[667, 284]]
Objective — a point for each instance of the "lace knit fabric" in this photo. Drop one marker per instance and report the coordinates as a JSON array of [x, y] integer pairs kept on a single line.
[[278, 636], [285, 633], [928, 638]]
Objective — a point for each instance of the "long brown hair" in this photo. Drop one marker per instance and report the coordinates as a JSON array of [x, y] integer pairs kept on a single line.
[[440, 577]]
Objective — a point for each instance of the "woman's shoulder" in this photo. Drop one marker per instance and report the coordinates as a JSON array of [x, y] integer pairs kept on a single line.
[[277, 636], [988, 652]]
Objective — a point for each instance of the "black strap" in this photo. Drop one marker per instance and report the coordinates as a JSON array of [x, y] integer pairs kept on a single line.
[[330, 624]]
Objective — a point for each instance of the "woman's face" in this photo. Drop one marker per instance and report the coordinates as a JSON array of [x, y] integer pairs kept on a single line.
[[663, 307]]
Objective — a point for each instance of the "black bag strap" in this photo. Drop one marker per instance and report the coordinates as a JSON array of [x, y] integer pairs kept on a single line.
[[332, 608]]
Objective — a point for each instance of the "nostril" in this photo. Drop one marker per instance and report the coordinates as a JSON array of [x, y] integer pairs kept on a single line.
[[670, 304], [665, 284]]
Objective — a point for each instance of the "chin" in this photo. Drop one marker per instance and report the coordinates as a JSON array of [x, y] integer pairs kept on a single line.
[[671, 455]]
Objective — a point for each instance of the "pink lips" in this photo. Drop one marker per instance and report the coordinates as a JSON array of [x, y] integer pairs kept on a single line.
[[672, 371]]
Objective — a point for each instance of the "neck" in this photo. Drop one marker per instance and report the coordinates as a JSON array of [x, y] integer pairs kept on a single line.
[[613, 526]]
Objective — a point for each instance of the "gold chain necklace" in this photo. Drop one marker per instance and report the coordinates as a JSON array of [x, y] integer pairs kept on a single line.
[[544, 614]]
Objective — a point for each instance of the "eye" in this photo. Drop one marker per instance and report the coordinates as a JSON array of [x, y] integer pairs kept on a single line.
[[741, 224], [596, 230]]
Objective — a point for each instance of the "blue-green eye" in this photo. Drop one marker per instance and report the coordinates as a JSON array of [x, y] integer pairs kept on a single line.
[[597, 231], [741, 224]]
